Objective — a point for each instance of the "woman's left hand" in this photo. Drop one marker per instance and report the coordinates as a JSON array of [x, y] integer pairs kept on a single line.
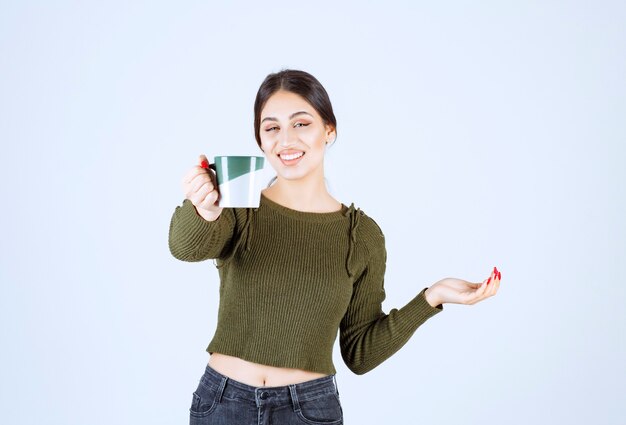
[[458, 291]]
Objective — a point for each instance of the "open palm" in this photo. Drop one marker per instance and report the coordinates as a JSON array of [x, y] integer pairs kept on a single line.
[[459, 291]]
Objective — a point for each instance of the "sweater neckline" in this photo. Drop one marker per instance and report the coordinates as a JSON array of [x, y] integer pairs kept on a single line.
[[318, 217]]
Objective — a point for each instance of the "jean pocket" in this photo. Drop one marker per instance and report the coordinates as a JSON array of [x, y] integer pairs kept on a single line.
[[324, 410], [203, 401]]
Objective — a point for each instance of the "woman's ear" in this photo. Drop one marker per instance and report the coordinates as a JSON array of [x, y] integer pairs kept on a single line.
[[331, 134]]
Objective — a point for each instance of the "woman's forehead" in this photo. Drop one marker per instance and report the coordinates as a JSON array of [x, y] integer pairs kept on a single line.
[[283, 104]]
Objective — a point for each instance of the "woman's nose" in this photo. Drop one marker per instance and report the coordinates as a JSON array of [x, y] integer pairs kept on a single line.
[[286, 138]]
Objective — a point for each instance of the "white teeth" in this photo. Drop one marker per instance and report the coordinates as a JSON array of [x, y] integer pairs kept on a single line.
[[291, 156]]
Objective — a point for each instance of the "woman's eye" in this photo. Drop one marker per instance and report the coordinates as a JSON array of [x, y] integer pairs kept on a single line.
[[298, 124]]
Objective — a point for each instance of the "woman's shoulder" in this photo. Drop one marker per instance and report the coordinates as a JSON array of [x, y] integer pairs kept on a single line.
[[368, 231], [369, 224]]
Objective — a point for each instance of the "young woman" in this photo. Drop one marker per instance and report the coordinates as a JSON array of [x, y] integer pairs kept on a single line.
[[294, 273]]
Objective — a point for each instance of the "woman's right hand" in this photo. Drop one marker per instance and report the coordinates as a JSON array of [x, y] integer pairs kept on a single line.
[[200, 188]]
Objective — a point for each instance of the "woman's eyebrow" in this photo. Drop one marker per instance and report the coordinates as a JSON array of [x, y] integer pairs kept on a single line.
[[290, 116]]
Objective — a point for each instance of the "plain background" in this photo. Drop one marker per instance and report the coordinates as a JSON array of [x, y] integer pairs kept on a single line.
[[477, 134]]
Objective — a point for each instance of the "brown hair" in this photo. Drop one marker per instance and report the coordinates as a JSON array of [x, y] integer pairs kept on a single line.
[[298, 82]]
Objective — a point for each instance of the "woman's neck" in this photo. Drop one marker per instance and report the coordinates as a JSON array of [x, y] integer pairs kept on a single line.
[[308, 196]]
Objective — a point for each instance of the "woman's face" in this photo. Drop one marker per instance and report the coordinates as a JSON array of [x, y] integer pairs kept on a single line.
[[293, 136]]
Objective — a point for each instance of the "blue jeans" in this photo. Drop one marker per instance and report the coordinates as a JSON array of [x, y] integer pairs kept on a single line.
[[219, 400]]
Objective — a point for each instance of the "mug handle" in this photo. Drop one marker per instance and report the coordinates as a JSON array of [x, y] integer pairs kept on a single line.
[[213, 176]]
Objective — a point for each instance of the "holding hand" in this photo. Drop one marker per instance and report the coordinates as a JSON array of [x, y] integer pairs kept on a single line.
[[199, 187], [457, 291]]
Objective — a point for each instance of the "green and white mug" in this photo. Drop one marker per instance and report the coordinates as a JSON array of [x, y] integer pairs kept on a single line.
[[239, 180]]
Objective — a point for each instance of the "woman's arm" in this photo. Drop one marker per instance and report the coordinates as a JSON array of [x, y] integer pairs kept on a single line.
[[192, 238], [367, 335], [200, 229]]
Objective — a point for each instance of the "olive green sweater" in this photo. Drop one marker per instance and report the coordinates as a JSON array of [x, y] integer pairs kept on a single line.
[[291, 279]]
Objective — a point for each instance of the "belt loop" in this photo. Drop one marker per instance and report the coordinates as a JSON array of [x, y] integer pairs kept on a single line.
[[294, 398], [335, 382], [220, 389]]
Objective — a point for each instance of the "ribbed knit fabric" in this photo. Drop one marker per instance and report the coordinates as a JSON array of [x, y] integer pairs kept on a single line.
[[290, 280]]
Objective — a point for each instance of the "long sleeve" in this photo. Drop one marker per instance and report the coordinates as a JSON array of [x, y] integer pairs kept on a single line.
[[192, 238], [368, 336]]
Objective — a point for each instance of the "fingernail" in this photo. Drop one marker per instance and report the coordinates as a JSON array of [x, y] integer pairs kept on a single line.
[[495, 270], [488, 280], [204, 164], [499, 276]]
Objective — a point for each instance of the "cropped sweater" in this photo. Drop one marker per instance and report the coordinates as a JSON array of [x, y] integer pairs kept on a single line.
[[290, 280]]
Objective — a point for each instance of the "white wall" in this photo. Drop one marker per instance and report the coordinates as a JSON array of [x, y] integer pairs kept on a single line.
[[505, 118]]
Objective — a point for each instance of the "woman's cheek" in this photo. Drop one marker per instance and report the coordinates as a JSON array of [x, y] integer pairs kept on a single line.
[[266, 146]]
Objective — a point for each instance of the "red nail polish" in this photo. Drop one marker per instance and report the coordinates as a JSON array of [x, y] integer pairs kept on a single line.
[[488, 280], [499, 276], [495, 270], [204, 164]]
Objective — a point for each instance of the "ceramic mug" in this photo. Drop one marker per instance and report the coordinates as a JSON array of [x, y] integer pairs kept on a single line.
[[238, 180]]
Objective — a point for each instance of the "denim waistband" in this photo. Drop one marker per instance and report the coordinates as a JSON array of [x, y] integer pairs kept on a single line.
[[288, 394]]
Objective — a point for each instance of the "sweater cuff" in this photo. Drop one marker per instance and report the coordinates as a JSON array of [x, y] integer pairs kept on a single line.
[[192, 238], [190, 219], [419, 309]]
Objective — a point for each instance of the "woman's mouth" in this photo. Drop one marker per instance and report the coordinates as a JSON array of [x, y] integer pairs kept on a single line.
[[290, 158]]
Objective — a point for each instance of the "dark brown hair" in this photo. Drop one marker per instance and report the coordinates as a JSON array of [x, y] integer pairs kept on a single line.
[[298, 82]]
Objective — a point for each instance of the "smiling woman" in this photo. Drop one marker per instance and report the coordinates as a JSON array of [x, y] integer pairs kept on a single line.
[[295, 272], [294, 121], [294, 143]]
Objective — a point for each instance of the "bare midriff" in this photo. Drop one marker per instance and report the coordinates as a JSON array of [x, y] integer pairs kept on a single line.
[[258, 375]]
